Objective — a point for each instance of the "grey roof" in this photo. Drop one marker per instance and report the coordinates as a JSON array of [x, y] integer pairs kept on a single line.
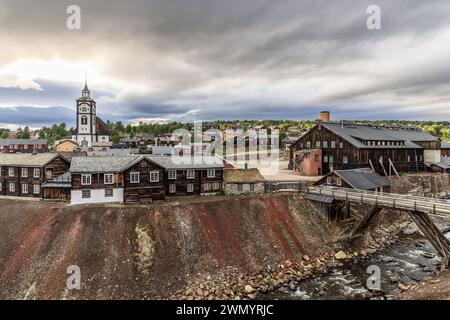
[[445, 145], [442, 164], [5, 142], [188, 162], [26, 159], [120, 163], [353, 132], [100, 164], [319, 198], [162, 150], [363, 178]]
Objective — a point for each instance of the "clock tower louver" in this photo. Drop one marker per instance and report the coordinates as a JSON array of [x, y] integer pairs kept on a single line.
[[91, 130]]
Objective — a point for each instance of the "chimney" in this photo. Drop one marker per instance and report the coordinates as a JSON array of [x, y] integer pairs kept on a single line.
[[325, 116]]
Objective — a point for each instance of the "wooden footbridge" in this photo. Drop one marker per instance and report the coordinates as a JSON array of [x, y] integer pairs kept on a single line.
[[418, 208]]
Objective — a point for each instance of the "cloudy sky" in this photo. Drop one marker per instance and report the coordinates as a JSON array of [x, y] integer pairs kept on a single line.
[[190, 60]]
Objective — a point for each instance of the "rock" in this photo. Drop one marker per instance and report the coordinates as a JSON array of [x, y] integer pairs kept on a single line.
[[340, 255], [292, 286], [404, 287], [248, 289], [251, 296], [288, 263], [199, 292], [306, 257]]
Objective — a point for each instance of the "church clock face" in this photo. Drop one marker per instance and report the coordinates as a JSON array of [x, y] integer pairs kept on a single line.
[[83, 108]]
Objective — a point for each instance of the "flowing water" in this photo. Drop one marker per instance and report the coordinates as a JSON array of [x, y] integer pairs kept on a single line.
[[411, 260]]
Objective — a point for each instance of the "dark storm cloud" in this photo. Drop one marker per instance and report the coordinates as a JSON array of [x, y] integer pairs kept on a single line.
[[209, 59]]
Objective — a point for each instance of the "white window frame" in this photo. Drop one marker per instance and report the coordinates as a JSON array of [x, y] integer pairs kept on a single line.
[[11, 172], [339, 182], [211, 173], [24, 173], [216, 185], [154, 173], [333, 144], [172, 188], [86, 179], [308, 144], [106, 179], [24, 188], [207, 186], [344, 159], [1, 187], [135, 177], [13, 185], [190, 187], [36, 173], [36, 189], [172, 174], [329, 181], [190, 174], [251, 187]]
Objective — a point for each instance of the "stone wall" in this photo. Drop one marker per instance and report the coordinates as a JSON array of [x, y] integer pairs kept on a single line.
[[232, 188]]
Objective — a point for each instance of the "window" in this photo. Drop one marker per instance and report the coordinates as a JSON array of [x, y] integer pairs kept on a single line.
[[330, 159], [316, 158], [109, 193], [329, 180], [134, 177], [339, 182], [24, 188], [85, 194], [154, 176], [24, 172], [239, 187], [325, 144], [1, 187], [317, 144], [36, 173], [345, 159], [190, 187], [211, 173], [333, 144], [252, 187], [11, 172], [86, 179], [172, 188], [36, 189], [207, 186], [190, 174], [341, 145], [12, 187], [216, 186], [172, 174], [108, 178], [84, 120], [325, 159], [308, 144], [143, 163]]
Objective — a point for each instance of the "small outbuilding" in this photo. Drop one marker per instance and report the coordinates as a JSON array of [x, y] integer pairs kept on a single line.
[[240, 181], [360, 179]]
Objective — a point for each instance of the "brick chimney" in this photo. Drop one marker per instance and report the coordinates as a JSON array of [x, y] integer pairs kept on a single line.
[[325, 116]]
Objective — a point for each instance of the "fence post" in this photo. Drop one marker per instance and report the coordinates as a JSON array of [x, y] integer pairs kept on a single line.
[[361, 198], [434, 208], [415, 206], [393, 202]]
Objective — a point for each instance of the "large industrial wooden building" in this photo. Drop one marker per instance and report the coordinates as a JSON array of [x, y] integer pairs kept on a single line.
[[348, 146]]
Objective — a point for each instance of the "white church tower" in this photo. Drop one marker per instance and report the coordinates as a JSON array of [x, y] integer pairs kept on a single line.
[[91, 130]]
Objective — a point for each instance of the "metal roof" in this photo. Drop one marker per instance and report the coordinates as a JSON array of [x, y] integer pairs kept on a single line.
[[363, 178], [5, 142], [445, 145], [62, 181], [353, 132], [26, 159]]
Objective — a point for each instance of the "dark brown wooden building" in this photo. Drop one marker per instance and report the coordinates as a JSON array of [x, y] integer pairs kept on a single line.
[[359, 179], [23, 146], [349, 146], [22, 175]]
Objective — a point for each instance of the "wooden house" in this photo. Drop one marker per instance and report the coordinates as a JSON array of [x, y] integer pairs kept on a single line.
[[22, 175], [23, 146], [65, 145], [360, 179], [348, 146], [241, 181]]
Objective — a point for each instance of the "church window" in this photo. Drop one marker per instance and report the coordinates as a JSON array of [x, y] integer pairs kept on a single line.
[[83, 120]]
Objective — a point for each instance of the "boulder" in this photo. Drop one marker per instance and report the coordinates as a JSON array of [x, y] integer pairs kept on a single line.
[[340, 255]]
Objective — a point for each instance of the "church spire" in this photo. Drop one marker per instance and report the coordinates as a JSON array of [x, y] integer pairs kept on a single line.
[[86, 93]]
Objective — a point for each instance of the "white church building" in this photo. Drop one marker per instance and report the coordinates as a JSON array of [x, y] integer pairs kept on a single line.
[[91, 130]]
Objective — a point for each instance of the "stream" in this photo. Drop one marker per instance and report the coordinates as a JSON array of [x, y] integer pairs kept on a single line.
[[410, 260]]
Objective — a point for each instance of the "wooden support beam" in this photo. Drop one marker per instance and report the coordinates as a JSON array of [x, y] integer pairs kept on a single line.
[[365, 221]]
